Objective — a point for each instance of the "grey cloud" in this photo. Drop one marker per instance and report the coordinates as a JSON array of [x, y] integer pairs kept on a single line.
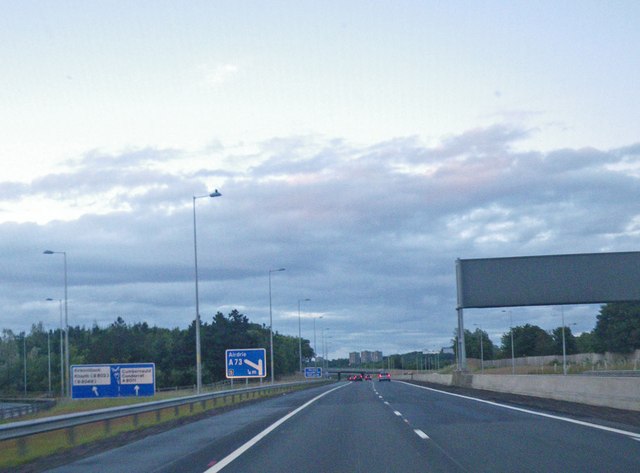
[[371, 244], [479, 142], [12, 191]]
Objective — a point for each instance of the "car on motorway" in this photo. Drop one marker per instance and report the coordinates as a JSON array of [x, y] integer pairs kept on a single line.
[[384, 377], [367, 377], [358, 377]]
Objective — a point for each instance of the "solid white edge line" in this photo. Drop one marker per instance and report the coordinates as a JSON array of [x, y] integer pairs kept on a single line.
[[247, 445], [421, 434], [633, 435]]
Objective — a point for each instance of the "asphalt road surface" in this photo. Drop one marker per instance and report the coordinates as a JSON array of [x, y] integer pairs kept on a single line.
[[377, 427]]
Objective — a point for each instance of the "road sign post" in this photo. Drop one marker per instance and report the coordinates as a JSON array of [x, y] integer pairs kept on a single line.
[[113, 380], [246, 363]]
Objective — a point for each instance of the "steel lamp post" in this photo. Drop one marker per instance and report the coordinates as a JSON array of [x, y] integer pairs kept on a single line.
[[481, 349], [325, 364], [49, 359], [61, 348], [66, 320], [513, 358], [300, 333], [24, 352], [315, 346], [564, 346], [215, 193], [271, 322]]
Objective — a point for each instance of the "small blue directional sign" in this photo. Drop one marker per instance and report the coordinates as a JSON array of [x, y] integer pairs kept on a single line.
[[313, 372], [246, 363], [115, 380]]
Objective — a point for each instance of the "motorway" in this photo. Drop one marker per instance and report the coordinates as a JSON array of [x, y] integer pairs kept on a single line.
[[376, 427]]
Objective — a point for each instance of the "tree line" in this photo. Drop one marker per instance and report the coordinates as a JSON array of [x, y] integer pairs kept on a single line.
[[617, 330], [172, 351]]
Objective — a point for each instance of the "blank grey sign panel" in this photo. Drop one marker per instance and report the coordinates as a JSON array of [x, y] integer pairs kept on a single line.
[[548, 280]]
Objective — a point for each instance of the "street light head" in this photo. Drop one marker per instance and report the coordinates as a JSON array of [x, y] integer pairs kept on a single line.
[[47, 252], [49, 299], [215, 193]]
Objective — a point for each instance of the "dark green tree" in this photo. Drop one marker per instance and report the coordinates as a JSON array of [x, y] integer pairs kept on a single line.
[[172, 351], [472, 344], [618, 327], [528, 340], [585, 343], [571, 346], [10, 362], [488, 348]]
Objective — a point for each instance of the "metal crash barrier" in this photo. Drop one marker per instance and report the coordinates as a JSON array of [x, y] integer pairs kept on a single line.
[[23, 441]]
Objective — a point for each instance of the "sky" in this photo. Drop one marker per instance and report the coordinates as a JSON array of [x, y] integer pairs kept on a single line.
[[363, 146]]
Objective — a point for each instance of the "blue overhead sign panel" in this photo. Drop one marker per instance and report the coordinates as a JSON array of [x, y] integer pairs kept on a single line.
[[117, 380], [246, 363], [313, 372]]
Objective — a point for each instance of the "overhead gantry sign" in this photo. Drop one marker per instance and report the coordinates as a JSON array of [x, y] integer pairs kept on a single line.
[[587, 278]]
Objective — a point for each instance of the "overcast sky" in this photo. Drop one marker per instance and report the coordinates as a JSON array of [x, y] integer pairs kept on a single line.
[[363, 146]]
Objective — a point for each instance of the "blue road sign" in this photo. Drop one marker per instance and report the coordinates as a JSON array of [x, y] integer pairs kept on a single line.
[[313, 372], [246, 363], [118, 380]]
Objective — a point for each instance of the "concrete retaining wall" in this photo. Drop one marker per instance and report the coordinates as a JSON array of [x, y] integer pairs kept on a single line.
[[620, 393], [592, 360]]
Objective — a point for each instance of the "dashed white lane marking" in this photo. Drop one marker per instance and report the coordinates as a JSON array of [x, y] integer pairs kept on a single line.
[[418, 432], [240, 450]]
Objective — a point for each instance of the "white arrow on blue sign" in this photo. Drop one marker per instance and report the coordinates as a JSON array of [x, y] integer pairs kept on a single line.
[[115, 380], [313, 372], [246, 363]]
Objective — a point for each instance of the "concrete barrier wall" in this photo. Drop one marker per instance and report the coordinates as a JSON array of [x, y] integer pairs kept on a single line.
[[620, 393], [445, 379]]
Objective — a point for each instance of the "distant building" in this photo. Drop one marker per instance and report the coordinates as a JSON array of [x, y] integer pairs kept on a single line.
[[370, 356], [365, 356], [354, 359]]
